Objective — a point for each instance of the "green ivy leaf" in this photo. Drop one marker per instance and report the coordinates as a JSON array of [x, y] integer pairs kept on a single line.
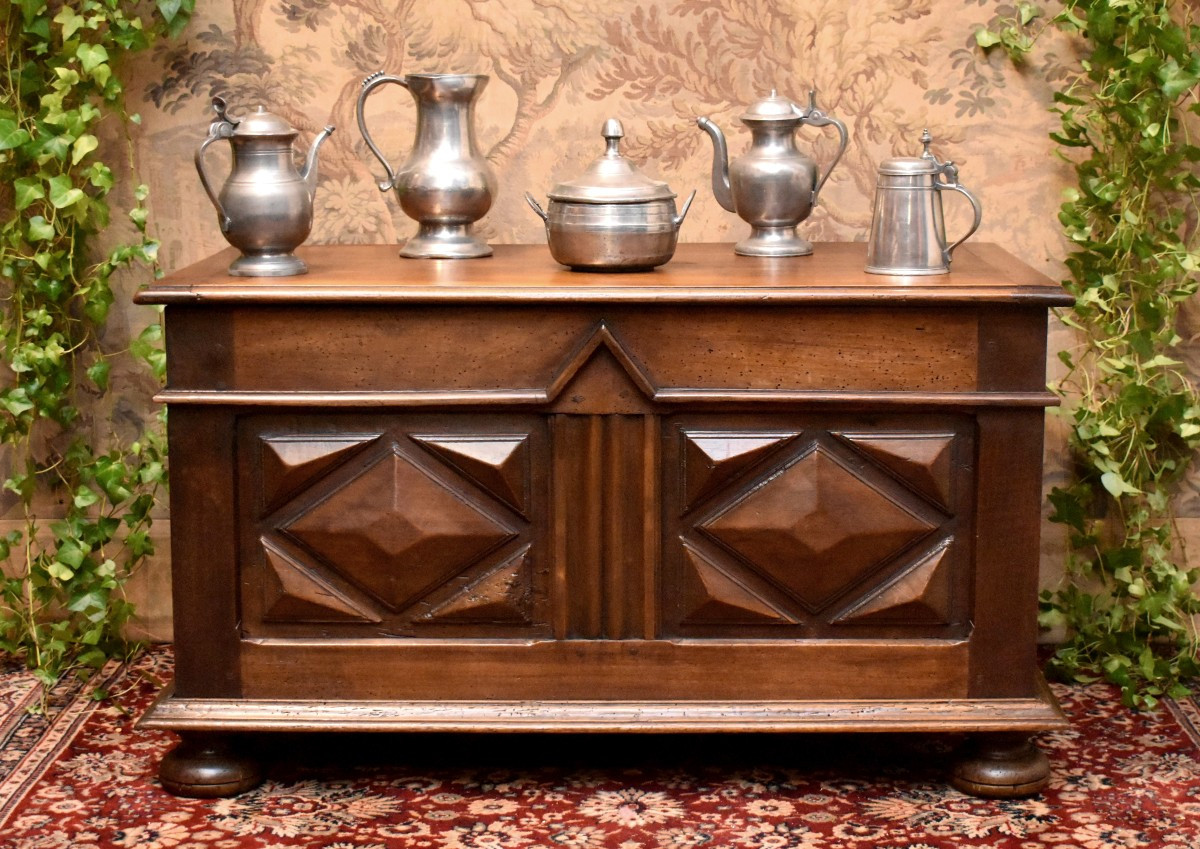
[[85, 497], [60, 572], [985, 38], [63, 192], [98, 374], [83, 145], [27, 190], [11, 135], [1117, 485], [70, 21], [91, 56]]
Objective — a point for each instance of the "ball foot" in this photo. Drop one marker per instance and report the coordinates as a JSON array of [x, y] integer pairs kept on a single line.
[[1001, 766], [206, 766]]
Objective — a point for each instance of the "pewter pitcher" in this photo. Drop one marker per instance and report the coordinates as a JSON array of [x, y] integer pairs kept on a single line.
[[908, 231], [446, 185], [265, 207], [773, 186]]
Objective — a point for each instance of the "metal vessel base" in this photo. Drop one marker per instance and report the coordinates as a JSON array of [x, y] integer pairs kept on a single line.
[[445, 241], [907, 272], [267, 265], [773, 241]]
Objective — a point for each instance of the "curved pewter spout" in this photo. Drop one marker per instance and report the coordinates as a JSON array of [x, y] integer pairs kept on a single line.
[[720, 166], [309, 173]]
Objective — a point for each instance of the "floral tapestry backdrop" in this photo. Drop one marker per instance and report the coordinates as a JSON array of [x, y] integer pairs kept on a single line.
[[559, 68]]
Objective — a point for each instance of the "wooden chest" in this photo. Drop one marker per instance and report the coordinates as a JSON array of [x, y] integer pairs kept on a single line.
[[732, 493]]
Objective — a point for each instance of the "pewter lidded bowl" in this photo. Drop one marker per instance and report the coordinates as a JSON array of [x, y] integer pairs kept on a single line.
[[612, 217]]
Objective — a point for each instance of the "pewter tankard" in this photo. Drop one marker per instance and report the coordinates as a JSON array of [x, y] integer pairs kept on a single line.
[[908, 232], [446, 185]]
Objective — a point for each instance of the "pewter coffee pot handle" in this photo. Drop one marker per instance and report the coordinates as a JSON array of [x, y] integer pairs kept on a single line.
[[950, 172], [222, 128], [817, 118], [368, 85]]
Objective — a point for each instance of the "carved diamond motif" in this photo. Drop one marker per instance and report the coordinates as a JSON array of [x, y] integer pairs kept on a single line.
[[815, 528], [920, 596], [290, 462], [712, 597], [500, 464], [499, 597], [397, 531], [923, 460], [712, 459]]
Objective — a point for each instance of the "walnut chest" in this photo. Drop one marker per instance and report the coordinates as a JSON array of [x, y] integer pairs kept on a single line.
[[734, 493]]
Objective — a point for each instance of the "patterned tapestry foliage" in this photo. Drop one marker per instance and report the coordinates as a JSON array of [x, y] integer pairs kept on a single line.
[[887, 68]]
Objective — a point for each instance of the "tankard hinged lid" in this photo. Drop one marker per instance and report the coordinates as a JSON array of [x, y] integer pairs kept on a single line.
[[910, 166]]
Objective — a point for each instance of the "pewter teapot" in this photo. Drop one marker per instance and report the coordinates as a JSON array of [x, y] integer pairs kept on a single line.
[[908, 230], [265, 207], [773, 186]]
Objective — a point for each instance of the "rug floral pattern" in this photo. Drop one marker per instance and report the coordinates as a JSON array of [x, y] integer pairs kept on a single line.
[[1120, 780]]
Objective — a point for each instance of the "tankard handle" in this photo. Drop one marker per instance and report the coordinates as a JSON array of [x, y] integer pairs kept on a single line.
[[368, 85], [817, 118], [222, 128], [950, 171]]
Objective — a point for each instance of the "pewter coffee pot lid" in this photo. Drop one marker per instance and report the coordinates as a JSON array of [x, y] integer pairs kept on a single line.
[[259, 124], [772, 109], [612, 178]]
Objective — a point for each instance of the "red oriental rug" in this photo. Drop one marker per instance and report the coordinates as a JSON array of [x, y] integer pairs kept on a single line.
[[85, 777]]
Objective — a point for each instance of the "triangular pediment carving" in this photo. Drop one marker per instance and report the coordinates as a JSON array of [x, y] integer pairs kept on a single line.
[[601, 376]]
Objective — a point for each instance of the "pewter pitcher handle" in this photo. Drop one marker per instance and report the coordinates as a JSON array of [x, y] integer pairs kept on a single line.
[[951, 173], [817, 118], [368, 85], [222, 128]]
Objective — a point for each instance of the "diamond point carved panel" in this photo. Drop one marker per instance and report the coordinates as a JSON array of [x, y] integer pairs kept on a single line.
[[920, 596], [501, 597], [290, 462], [815, 527], [923, 460], [295, 592], [499, 464], [711, 458], [398, 531], [713, 598]]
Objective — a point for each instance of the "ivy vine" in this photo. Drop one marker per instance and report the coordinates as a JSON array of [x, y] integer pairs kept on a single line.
[[62, 604], [1127, 601]]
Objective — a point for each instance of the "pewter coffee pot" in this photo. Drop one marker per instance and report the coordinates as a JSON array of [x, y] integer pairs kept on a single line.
[[265, 208], [908, 232], [773, 186], [446, 185]]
